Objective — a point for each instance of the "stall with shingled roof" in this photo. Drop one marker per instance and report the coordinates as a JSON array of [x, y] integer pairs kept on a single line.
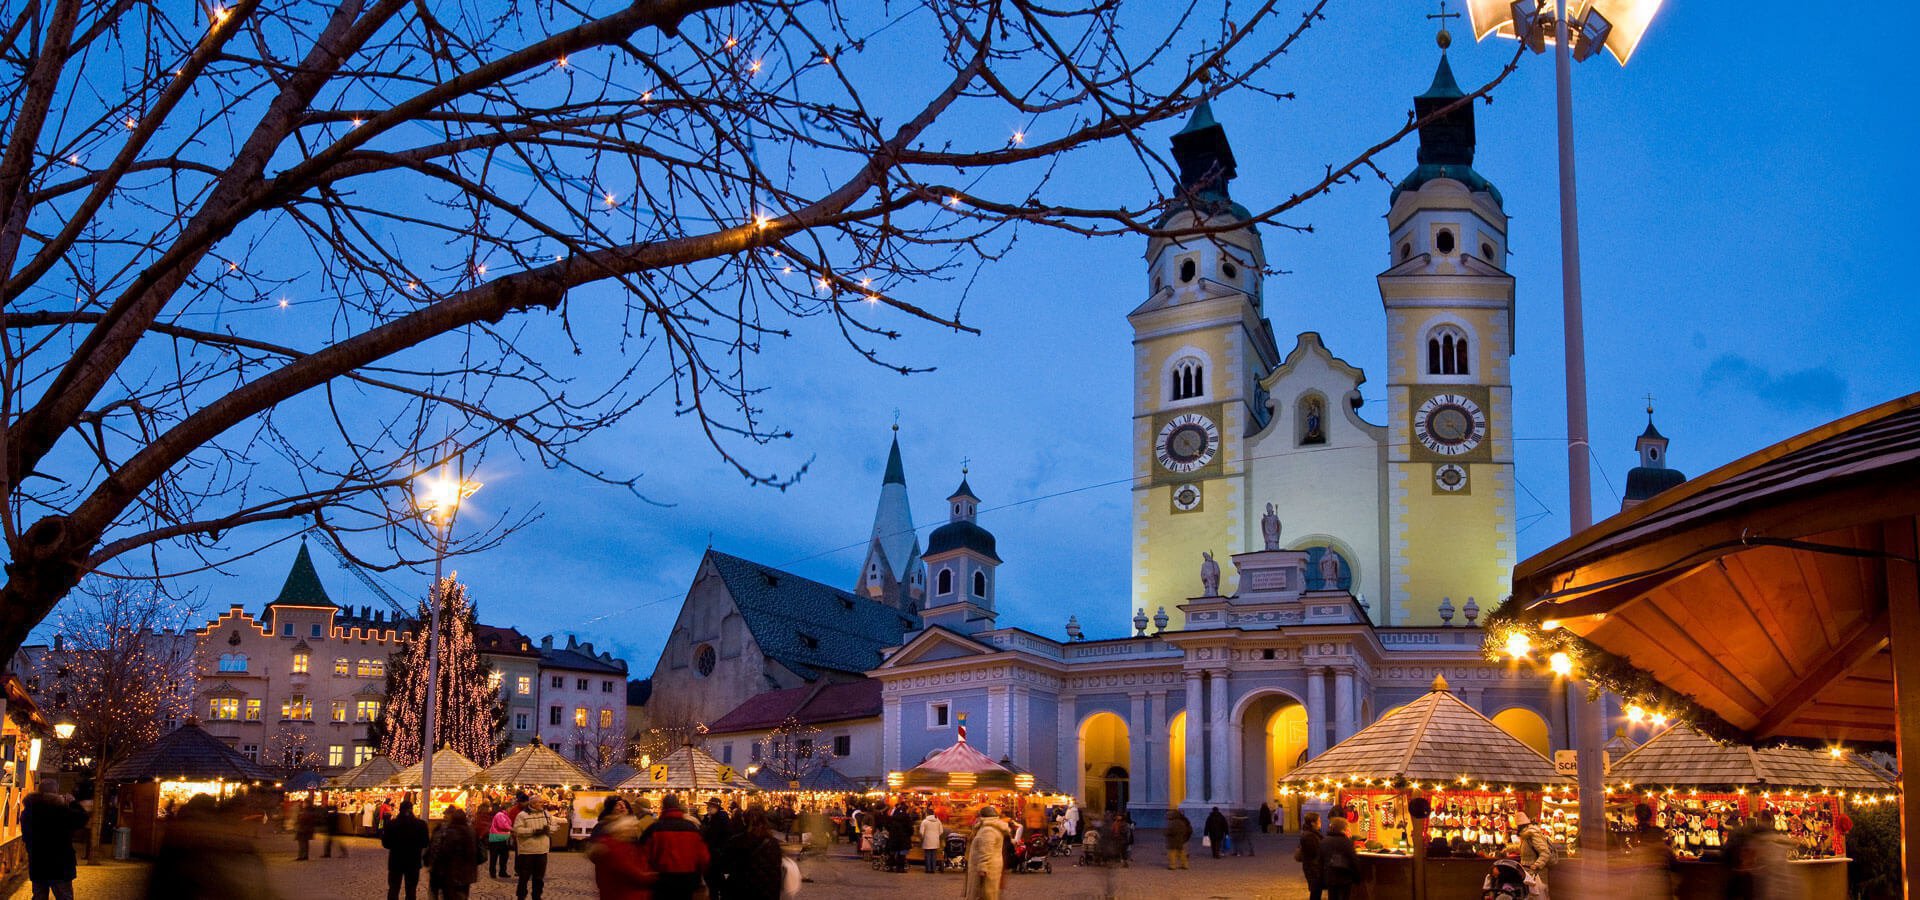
[[159, 779], [451, 770]]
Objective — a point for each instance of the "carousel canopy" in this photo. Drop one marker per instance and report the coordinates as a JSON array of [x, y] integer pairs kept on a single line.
[[449, 769], [372, 773], [535, 765], [961, 768], [687, 769], [1435, 738], [826, 779], [188, 753], [1683, 756]]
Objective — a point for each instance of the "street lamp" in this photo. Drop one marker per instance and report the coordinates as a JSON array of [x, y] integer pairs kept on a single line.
[[1617, 25], [438, 498], [64, 726]]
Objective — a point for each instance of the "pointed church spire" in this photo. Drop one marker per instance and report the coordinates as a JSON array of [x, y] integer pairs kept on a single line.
[[1446, 138], [896, 471], [1204, 156], [891, 570], [1652, 475]]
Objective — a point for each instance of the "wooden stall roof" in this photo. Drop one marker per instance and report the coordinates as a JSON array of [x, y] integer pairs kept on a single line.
[[372, 773], [1435, 738], [689, 768], [1681, 755], [188, 753], [449, 769], [1759, 589], [535, 765]]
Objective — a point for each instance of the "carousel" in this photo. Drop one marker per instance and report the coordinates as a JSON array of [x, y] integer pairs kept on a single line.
[[957, 781], [1473, 779]]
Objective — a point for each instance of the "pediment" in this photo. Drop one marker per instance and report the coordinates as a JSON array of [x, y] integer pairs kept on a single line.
[[934, 645]]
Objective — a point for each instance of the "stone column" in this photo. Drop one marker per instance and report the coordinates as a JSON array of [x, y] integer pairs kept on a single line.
[[1196, 751], [890, 738], [999, 729], [1344, 715], [1316, 713], [1157, 787], [1020, 744], [1067, 749], [1139, 757], [1220, 777]]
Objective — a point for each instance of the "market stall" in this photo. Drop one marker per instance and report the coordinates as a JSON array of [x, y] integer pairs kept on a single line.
[[1476, 778], [159, 779], [358, 792], [450, 773], [1701, 792], [691, 773], [24, 734], [535, 768]]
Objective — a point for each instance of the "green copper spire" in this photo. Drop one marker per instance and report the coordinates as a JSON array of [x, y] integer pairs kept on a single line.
[[1444, 86], [896, 471], [303, 583], [1202, 118]]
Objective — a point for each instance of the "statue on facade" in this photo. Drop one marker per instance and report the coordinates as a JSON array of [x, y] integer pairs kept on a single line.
[[1270, 527], [1330, 570], [1314, 431], [1209, 575]]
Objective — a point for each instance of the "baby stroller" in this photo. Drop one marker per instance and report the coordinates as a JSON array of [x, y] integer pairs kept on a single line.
[[1094, 851], [955, 850], [1507, 881], [879, 858], [1032, 855]]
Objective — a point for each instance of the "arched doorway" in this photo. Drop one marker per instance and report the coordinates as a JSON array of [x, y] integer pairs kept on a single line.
[[1527, 726], [1104, 752], [1273, 740], [1177, 760]]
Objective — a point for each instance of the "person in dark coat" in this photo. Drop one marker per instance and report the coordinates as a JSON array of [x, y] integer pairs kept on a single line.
[[752, 861], [1309, 855], [453, 857], [1266, 819], [332, 824], [406, 841], [1339, 863], [203, 856], [717, 830], [1216, 830], [47, 823], [1179, 833], [304, 826], [899, 837]]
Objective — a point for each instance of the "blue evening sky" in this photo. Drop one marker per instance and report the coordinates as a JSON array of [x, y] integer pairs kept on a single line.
[[1745, 196]]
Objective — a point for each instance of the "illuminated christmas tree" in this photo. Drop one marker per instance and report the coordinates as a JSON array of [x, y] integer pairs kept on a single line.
[[471, 711]]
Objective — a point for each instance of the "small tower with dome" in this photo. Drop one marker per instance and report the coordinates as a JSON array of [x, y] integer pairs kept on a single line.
[[1652, 475], [961, 564]]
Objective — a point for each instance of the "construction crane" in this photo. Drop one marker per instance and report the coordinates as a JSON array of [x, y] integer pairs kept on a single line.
[[326, 540]]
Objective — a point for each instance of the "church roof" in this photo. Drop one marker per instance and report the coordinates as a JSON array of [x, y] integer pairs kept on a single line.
[[1681, 755], [1444, 86], [896, 471], [962, 535], [303, 587], [807, 626], [1435, 738], [808, 705], [1652, 433], [1446, 139], [1202, 118], [1646, 481]]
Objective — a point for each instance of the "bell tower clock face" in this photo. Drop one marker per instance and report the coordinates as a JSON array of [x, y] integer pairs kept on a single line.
[[1187, 443], [1450, 425]]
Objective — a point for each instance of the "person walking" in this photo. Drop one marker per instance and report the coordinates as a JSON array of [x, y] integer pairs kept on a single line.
[[1339, 863], [619, 867], [331, 822], [675, 850], [405, 838], [47, 823], [304, 825], [932, 830], [499, 841], [1179, 834], [900, 828], [1266, 819], [1240, 835], [753, 860], [986, 855], [453, 857], [1216, 831], [716, 831], [1070, 824], [532, 839], [1309, 855], [1536, 852]]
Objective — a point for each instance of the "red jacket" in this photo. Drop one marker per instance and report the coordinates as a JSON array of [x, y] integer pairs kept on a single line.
[[620, 869], [673, 845]]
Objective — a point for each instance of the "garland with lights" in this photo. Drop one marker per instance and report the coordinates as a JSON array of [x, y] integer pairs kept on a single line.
[[791, 752], [469, 705]]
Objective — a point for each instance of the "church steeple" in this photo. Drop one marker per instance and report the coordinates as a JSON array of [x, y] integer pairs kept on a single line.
[[1651, 476], [1204, 156], [892, 572], [1447, 139]]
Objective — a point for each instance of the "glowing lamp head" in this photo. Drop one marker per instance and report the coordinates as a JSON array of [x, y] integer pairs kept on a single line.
[[64, 728], [1636, 714], [441, 495], [1561, 663], [1518, 644]]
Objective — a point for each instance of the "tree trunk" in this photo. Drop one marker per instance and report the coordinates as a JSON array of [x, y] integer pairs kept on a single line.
[[98, 814]]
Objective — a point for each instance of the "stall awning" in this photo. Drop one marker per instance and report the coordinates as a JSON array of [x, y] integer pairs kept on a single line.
[[961, 768], [1759, 590], [1681, 755], [450, 769], [535, 765], [188, 753], [824, 779], [1436, 738], [372, 773], [687, 768]]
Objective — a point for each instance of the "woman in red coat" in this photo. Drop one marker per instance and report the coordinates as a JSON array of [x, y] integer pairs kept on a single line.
[[620, 867]]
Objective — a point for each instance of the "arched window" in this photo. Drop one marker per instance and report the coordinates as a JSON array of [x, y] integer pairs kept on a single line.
[[945, 582], [1189, 379], [233, 662], [979, 584], [1188, 269], [1447, 351]]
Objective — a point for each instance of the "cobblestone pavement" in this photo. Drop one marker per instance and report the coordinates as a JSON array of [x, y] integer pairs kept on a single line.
[[1271, 875]]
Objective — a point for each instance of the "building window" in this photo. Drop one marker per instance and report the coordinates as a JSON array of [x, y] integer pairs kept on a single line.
[[336, 754], [297, 707], [1406, 252], [361, 753], [704, 660], [1229, 270], [233, 662], [299, 663], [286, 630], [339, 710], [523, 685], [843, 745], [1486, 250], [945, 582], [253, 709], [580, 684], [559, 681], [364, 668], [366, 710], [519, 721], [379, 667], [726, 754], [580, 717], [316, 629], [606, 717], [606, 687], [804, 748], [343, 666], [553, 715], [579, 751], [225, 708], [251, 752], [979, 584], [938, 715], [1447, 351], [1189, 379], [1443, 242], [755, 754], [1188, 269]]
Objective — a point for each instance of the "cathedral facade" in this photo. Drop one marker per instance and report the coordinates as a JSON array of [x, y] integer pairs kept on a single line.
[[1297, 570]]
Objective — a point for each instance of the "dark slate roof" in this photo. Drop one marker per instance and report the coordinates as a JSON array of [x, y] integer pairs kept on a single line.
[[896, 471], [808, 626], [964, 490], [639, 691], [1444, 86], [1644, 482], [1652, 433], [810, 705], [303, 586], [580, 658], [1446, 141], [962, 535], [188, 752], [503, 641], [827, 778]]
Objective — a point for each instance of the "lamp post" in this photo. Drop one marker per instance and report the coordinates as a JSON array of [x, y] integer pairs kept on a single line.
[[1576, 29], [439, 501]]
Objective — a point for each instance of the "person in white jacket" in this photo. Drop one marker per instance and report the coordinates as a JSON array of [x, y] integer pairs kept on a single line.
[[1071, 824], [986, 860], [932, 830]]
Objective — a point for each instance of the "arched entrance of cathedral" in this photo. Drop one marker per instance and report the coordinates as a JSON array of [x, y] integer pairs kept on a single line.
[[1177, 760], [1527, 726], [1273, 739], [1104, 762]]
